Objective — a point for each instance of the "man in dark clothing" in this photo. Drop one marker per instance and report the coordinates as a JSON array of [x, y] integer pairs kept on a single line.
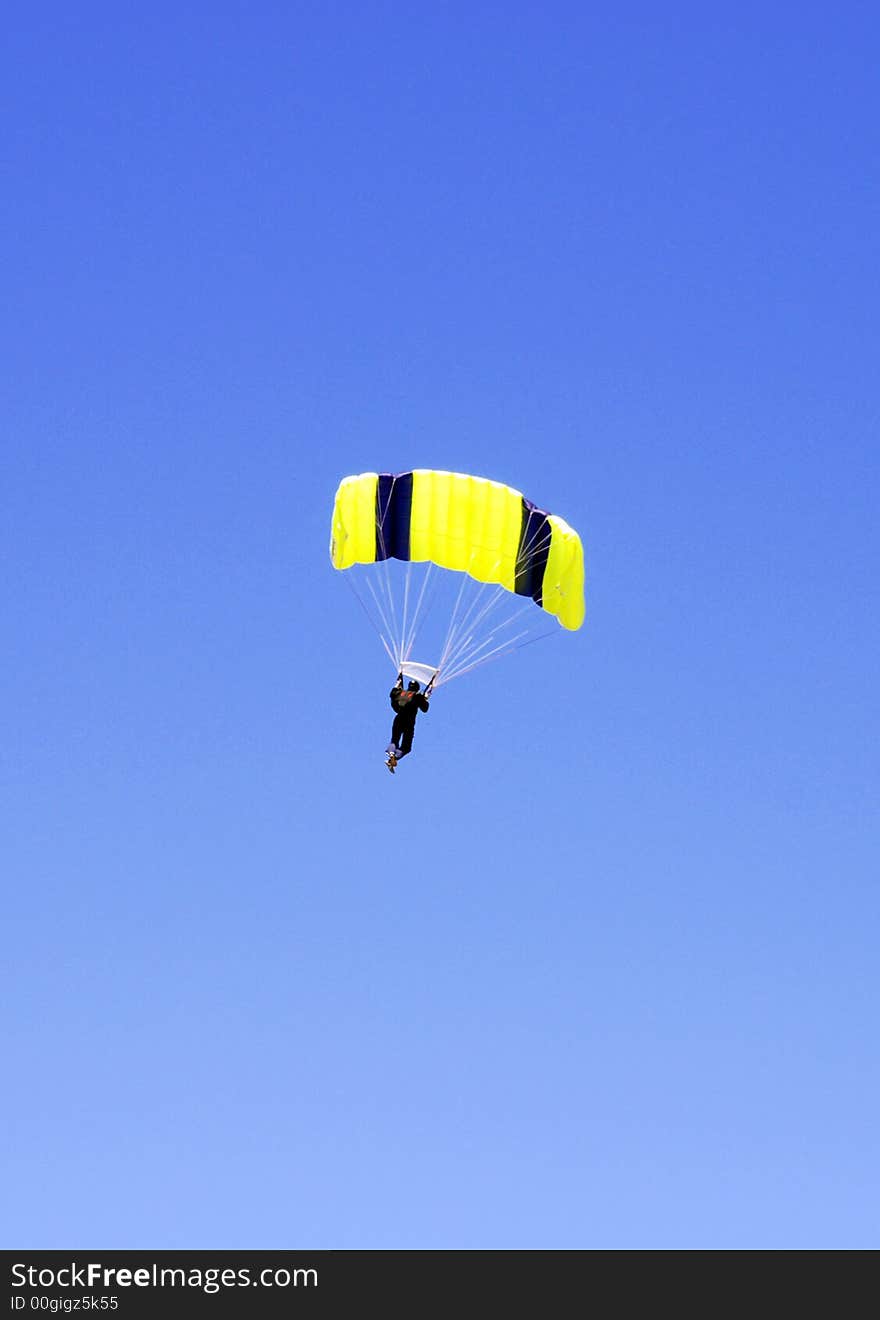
[[406, 706]]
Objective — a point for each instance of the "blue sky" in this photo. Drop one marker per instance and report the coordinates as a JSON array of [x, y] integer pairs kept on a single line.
[[598, 966]]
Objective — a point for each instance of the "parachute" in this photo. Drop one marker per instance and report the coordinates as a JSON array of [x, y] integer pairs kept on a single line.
[[469, 528]]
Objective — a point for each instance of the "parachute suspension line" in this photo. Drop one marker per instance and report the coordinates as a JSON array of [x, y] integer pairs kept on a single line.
[[485, 599], [474, 659], [533, 543], [403, 633], [470, 649], [458, 627], [378, 589], [464, 634], [409, 627], [372, 622], [484, 602], [389, 652], [387, 642], [410, 641], [505, 649], [536, 540], [384, 578], [450, 634], [471, 641], [387, 623]]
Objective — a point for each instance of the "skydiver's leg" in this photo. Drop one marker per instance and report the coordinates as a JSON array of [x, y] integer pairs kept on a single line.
[[396, 733], [406, 741]]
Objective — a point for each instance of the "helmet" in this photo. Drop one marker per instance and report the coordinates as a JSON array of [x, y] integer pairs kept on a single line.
[[412, 685]]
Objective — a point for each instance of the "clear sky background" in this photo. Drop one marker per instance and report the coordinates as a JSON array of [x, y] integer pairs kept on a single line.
[[598, 966]]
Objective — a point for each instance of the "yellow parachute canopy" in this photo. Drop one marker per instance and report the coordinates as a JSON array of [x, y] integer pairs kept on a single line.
[[467, 524]]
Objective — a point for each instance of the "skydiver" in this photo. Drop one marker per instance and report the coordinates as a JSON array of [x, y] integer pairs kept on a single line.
[[406, 706]]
